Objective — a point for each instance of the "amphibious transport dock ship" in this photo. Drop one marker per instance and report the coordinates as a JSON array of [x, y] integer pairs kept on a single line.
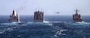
[[38, 16], [77, 17], [14, 17]]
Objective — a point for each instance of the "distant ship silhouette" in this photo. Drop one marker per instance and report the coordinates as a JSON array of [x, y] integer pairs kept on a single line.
[[38, 16], [77, 17], [14, 17]]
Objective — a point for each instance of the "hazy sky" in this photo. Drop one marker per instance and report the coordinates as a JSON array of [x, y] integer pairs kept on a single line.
[[49, 7]]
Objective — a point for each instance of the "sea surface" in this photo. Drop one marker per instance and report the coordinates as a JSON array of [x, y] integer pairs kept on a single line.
[[52, 27]]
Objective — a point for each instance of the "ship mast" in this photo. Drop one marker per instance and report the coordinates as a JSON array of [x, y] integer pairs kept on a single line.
[[76, 11]]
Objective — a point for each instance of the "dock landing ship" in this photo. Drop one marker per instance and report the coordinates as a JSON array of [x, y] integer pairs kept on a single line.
[[38, 16], [14, 17], [77, 17]]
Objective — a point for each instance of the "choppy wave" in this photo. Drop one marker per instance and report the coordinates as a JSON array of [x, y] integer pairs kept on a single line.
[[46, 29]]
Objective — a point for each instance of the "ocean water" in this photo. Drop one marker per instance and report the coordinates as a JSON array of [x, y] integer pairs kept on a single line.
[[52, 27]]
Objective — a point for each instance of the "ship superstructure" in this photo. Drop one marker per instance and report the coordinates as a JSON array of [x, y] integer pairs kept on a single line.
[[38, 16], [77, 17], [14, 17]]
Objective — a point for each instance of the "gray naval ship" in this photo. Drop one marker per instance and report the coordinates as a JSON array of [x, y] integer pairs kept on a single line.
[[14, 17], [38, 16], [78, 22], [39, 20], [77, 17]]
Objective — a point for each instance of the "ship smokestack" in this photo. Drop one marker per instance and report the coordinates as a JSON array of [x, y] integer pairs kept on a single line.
[[14, 17], [77, 17], [38, 16]]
